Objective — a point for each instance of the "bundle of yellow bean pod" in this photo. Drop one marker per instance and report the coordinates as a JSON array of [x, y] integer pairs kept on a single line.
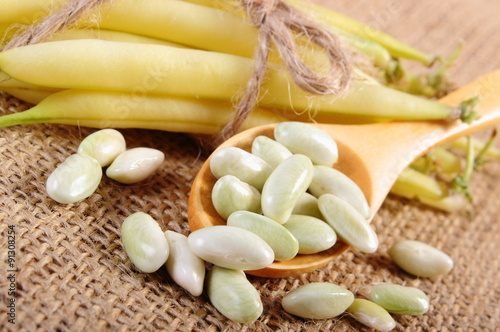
[[216, 25]]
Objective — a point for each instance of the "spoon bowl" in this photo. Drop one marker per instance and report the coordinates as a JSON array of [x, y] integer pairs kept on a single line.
[[372, 155]]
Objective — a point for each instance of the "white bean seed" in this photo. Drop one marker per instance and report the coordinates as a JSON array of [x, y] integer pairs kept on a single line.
[[372, 315], [314, 235], [233, 295], [270, 150], [307, 205], [348, 223], [285, 246], [231, 247], [331, 181], [308, 140], [398, 299], [230, 194], [144, 242], [75, 179], [135, 165], [420, 259], [240, 163], [103, 145], [183, 266], [285, 186], [319, 300]]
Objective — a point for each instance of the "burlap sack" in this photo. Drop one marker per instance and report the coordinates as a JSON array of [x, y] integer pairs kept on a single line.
[[71, 272]]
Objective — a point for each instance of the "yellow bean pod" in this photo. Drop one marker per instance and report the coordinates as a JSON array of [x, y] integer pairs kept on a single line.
[[122, 66], [180, 22], [104, 109], [28, 95], [28, 11], [418, 184]]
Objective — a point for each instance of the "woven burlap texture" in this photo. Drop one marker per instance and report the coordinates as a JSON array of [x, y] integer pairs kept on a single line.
[[72, 273]]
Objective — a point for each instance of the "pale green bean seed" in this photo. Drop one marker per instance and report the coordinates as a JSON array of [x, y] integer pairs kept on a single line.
[[327, 180], [242, 164], [74, 179], [319, 300], [348, 223], [307, 205], [144, 242], [230, 194], [231, 247], [103, 145], [285, 186], [420, 259], [308, 140], [183, 266], [233, 295], [270, 150], [285, 246], [313, 234], [398, 299], [372, 315], [135, 165]]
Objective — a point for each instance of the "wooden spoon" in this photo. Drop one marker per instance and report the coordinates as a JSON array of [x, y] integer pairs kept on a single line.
[[372, 155]]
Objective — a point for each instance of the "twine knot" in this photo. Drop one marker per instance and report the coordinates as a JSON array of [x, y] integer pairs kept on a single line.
[[258, 10], [277, 21]]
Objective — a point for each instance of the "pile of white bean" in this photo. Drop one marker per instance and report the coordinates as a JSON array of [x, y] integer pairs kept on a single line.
[[285, 191], [282, 199], [80, 174]]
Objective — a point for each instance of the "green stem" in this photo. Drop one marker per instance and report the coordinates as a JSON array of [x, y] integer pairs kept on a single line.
[[461, 183], [438, 159], [461, 144], [431, 85], [481, 156]]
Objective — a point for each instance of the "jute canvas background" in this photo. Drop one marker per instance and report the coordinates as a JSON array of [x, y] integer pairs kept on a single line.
[[72, 273]]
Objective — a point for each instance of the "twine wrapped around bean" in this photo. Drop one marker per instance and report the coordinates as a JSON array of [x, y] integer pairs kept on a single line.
[[56, 22], [278, 23]]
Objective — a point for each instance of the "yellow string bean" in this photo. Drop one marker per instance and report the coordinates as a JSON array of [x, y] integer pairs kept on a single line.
[[99, 109], [121, 66], [28, 95]]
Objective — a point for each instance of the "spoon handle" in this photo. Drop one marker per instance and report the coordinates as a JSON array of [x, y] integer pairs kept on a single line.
[[401, 143]]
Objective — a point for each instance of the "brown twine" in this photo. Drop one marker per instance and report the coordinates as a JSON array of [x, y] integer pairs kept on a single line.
[[54, 23], [276, 20]]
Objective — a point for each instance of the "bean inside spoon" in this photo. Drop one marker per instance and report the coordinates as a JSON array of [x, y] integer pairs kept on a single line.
[[372, 155]]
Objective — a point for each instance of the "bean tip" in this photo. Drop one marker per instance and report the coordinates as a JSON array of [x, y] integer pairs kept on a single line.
[[431, 60], [467, 110]]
